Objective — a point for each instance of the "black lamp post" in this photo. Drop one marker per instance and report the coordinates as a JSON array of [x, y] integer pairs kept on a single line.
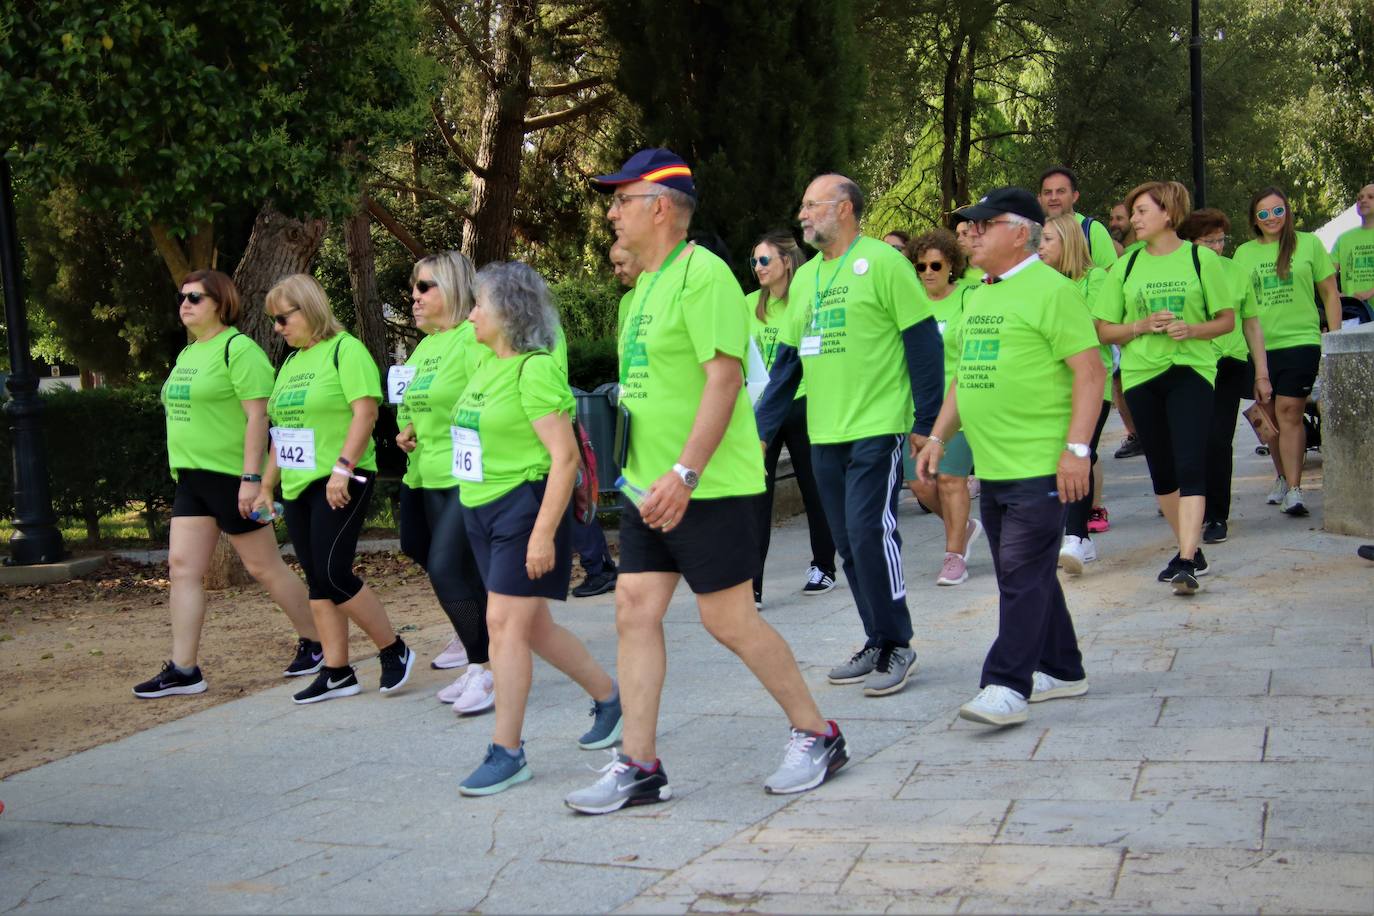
[[36, 538], [1195, 67]]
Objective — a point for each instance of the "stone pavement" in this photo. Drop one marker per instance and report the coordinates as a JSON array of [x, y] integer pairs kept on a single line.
[[1223, 762]]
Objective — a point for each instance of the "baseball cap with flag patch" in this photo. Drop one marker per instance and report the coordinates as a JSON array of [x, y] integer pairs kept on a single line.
[[657, 166]]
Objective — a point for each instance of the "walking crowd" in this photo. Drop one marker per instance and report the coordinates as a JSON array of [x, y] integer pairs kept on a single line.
[[988, 371]]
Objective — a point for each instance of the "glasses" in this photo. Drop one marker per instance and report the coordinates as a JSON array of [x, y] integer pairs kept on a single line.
[[979, 226], [1220, 241], [424, 286], [761, 261], [936, 266], [618, 200], [196, 298], [816, 204], [1275, 211], [285, 316]]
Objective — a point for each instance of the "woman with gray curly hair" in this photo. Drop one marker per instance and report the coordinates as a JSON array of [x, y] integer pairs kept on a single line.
[[517, 459]]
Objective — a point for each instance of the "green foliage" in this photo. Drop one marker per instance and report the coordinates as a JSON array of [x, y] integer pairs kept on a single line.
[[587, 306], [106, 449], [592, 363], [758, 96]]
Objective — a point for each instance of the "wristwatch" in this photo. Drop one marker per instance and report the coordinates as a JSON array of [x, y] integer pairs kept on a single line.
[[690, 477], [1079, 449]]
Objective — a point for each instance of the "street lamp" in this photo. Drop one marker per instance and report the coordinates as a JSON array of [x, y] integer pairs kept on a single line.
[[1195, 66], [36, 538]]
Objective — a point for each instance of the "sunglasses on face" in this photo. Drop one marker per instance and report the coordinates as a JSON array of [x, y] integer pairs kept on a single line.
[[285, 316], [424, 286], [923, 266], [761, 261], [1275, 211], [196, 298]]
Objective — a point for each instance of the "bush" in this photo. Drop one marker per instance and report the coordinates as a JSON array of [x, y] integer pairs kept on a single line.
[[592, 363], [587, 307]]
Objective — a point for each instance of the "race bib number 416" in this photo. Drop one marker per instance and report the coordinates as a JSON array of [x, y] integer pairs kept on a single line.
[[294, 448], [467, 454]]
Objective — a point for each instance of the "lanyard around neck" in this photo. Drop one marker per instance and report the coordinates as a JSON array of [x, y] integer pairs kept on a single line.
[[632, 329], [821, 294]]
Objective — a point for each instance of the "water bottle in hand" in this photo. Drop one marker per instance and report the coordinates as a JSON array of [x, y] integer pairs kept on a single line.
[[633, 493], [257, 516]]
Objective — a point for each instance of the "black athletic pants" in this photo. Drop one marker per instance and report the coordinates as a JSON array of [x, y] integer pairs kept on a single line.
[[1172, 414], [793, 435], [433, 535], [326, 539], [1234, 381], [1079, 510]]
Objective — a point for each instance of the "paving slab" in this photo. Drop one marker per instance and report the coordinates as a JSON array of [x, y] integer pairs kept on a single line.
[[1222, 762]]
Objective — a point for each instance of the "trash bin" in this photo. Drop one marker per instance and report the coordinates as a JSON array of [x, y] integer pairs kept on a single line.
[[597, 416]]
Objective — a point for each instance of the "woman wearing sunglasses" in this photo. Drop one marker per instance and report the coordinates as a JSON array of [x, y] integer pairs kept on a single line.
[[940, 263], [1163, 303], [1063, 247], [431, 523], [323, 408], [1282, 268], [775, 259], [216, 404]]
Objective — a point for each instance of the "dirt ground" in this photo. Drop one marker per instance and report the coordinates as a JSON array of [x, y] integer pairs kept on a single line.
[[70, 654]]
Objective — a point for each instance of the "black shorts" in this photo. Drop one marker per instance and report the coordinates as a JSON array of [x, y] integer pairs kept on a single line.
[[714, 547], [202, 493], [499, 533], [1293, 370]]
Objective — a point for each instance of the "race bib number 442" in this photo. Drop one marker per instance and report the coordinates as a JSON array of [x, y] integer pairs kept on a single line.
[[294, 448]]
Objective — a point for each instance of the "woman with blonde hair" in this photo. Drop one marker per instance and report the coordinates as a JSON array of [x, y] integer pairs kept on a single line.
[[323, 408], [431, 515], [774, 261], [1163, 303], [1063, 247], [216, 404]]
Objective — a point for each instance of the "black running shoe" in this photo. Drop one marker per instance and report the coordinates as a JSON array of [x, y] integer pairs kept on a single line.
[[1200, 567], [1366, 551], [1214, 533], [1167, 573], [599, 584], [170, 682], [330, 684], [1130, 448], [397, 660], [1185, 578], [309, 658]]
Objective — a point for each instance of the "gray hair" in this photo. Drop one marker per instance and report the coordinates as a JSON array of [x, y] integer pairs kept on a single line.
[[683, 202], [849, 190], [454, 273], [521, 302], [1035, 229]]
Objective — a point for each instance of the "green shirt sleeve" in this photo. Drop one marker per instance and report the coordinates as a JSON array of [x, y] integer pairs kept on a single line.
[[718, 323], [1321, 261], [1217, 286], [903, 294], [357, 372], [544, 387], [1100, 243], [249, 370], [1109, 303]]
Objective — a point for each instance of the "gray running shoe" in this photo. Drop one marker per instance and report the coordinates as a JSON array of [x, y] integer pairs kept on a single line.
[[810, 760], [857, 668], [623, 783], [891, 671]]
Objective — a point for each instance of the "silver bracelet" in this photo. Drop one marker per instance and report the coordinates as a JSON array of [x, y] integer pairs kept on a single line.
[[934, 438]]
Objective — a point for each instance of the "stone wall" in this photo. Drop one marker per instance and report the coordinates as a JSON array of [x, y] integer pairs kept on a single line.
[[1347, 406]]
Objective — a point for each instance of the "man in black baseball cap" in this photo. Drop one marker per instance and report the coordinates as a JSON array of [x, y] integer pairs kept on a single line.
[[1003, 200]]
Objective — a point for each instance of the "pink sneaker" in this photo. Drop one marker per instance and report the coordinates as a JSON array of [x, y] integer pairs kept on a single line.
[[1097, 521], [954, 571], [452, 692], [453, 656], [478, 694]]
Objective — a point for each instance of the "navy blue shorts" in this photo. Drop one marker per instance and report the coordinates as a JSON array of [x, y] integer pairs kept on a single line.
[[499, 533]]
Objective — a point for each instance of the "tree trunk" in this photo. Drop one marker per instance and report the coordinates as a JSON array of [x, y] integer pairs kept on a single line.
[[362, 274], [487, 233], [278, 246], [226, 570]]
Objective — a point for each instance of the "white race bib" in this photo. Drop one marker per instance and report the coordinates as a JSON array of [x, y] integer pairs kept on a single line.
[[467, 453], [294, 448], [810, 346], [398, 379]]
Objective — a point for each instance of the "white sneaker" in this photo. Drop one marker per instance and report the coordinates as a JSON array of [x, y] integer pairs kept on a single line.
[[1292, 503], [452, 692], [1071, 555], [478, 694], [971, 534], [453, 655], [995, 705], [1089, 550], [1044, 687], [1277, 491]]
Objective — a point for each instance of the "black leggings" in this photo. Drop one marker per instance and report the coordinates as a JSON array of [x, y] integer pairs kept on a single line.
[[1172, 413], [793, 435], [1235, 380], [1076, 522], [326, 539], [434, 536]]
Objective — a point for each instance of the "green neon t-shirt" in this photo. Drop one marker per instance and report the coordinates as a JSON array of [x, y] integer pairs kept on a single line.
[[1287, 307], [849, 337], [202, 395], [501, 402], [949, 319], [765, 333], [1090, 285], [682, 316], [443, 364], [311, 395], [1015, 393], [1099, 242], [972, 276], [1354, 253], [1156, 283], [1232, 344]]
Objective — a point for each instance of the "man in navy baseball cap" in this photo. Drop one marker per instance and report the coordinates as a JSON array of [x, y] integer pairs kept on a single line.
[[656, 166], [1016, 201]]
